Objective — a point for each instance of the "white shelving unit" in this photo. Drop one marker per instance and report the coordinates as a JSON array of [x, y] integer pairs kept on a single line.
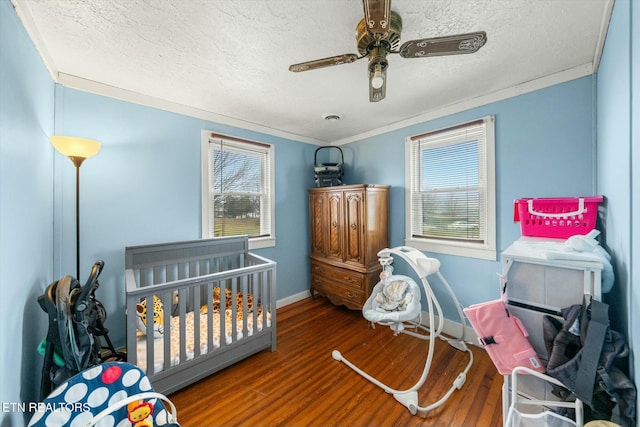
[[538, 286]]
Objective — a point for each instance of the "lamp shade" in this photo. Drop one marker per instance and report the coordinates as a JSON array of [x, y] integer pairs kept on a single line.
[[74, 147]]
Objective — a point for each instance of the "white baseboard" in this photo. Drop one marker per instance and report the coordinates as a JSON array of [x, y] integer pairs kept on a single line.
[[293, 298], [452, 328]]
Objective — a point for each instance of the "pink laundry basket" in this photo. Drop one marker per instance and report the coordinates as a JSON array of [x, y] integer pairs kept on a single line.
[[558, 218]]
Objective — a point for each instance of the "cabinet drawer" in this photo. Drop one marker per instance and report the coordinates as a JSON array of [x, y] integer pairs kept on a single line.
[[346, 278], [548, 286], [337, 292]]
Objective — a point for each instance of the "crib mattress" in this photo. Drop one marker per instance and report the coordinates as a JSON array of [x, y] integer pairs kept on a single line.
[[174, 336]]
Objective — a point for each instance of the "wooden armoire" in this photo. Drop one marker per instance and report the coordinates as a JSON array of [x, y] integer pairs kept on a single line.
[[349, 226]]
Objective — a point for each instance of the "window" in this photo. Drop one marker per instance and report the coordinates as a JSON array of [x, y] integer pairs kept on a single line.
[[451, 190], [237, 189]]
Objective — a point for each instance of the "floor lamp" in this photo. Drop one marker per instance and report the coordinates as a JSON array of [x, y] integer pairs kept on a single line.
[[77, 150]]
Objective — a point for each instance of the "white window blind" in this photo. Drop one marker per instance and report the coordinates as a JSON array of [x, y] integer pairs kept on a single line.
[[238, 198], [451, 188]]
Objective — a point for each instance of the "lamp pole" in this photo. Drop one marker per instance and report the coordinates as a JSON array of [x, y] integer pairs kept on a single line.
[[77, 150], [77, 161]]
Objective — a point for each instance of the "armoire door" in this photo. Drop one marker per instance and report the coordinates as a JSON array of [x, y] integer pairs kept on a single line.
[[354, 226], [318, 203], [334, 225]]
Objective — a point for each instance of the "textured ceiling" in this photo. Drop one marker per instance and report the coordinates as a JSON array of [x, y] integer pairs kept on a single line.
[[227, 60]]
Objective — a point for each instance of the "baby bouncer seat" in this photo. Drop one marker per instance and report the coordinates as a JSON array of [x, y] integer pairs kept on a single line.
[[111, 394], [396, 301], [328, 174]]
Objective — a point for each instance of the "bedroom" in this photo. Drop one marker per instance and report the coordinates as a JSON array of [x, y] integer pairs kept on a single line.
[[156, 158]]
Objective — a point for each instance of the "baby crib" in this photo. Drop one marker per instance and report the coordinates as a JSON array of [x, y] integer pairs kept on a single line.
[[396, 302], [199, 336]]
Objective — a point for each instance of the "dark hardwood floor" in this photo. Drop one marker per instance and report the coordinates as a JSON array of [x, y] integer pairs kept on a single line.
[[300, 384]]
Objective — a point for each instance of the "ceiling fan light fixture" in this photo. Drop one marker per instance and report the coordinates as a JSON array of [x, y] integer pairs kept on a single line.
[[377, 79]]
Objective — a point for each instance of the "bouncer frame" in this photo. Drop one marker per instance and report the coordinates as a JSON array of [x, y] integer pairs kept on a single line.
[[423, 266]]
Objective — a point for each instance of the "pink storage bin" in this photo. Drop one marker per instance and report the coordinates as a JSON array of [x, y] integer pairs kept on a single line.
[[559, 218]]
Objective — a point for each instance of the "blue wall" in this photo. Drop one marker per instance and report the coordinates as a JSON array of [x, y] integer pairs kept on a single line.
[[634, 287], [618, 155], [633, 300], [144, 185], [26, 209], [545, 147]]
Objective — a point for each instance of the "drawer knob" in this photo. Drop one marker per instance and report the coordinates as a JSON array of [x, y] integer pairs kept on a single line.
[[354, 226]]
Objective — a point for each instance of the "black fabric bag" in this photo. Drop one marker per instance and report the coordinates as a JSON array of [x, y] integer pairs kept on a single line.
[[581, 353]]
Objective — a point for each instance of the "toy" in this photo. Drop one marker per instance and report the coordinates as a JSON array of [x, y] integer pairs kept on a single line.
[[139, 413], [158, 317]]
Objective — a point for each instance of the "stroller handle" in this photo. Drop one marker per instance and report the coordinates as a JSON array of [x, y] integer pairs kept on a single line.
[[90, 286]]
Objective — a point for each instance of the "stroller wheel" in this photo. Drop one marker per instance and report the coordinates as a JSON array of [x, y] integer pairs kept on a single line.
[[101, 313]]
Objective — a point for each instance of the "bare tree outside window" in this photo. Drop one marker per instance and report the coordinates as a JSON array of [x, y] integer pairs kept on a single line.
[[236, 185], [239, 193]]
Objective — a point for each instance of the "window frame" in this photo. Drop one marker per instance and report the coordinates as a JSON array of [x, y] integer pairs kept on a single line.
[[239, 144], [473, 249]]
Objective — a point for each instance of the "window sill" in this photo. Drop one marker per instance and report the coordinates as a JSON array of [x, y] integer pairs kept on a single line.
[[453, 248], [262, 242]]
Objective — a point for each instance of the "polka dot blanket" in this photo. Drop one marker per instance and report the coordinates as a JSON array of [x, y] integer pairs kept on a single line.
[[114, 394]]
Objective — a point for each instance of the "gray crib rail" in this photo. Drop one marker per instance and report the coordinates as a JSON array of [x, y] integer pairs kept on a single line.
[[183, 275]]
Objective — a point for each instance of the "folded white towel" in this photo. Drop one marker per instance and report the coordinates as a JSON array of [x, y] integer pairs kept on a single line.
[[587, 248]]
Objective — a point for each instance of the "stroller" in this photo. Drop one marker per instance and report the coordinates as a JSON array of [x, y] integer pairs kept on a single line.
[[112, 394], [76, 323]]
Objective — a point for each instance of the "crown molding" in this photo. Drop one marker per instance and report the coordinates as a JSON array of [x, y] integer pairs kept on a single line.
[[517, 90]]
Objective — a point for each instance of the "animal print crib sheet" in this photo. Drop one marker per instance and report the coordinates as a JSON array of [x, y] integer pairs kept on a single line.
[[174, 336]]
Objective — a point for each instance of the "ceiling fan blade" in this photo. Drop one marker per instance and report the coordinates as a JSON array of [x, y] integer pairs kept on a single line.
[[448, 45], [377, 15], [324, 62], [377, 91]]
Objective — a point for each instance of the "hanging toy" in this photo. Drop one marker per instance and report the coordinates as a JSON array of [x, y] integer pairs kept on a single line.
[[387, 268], [139, 413]]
